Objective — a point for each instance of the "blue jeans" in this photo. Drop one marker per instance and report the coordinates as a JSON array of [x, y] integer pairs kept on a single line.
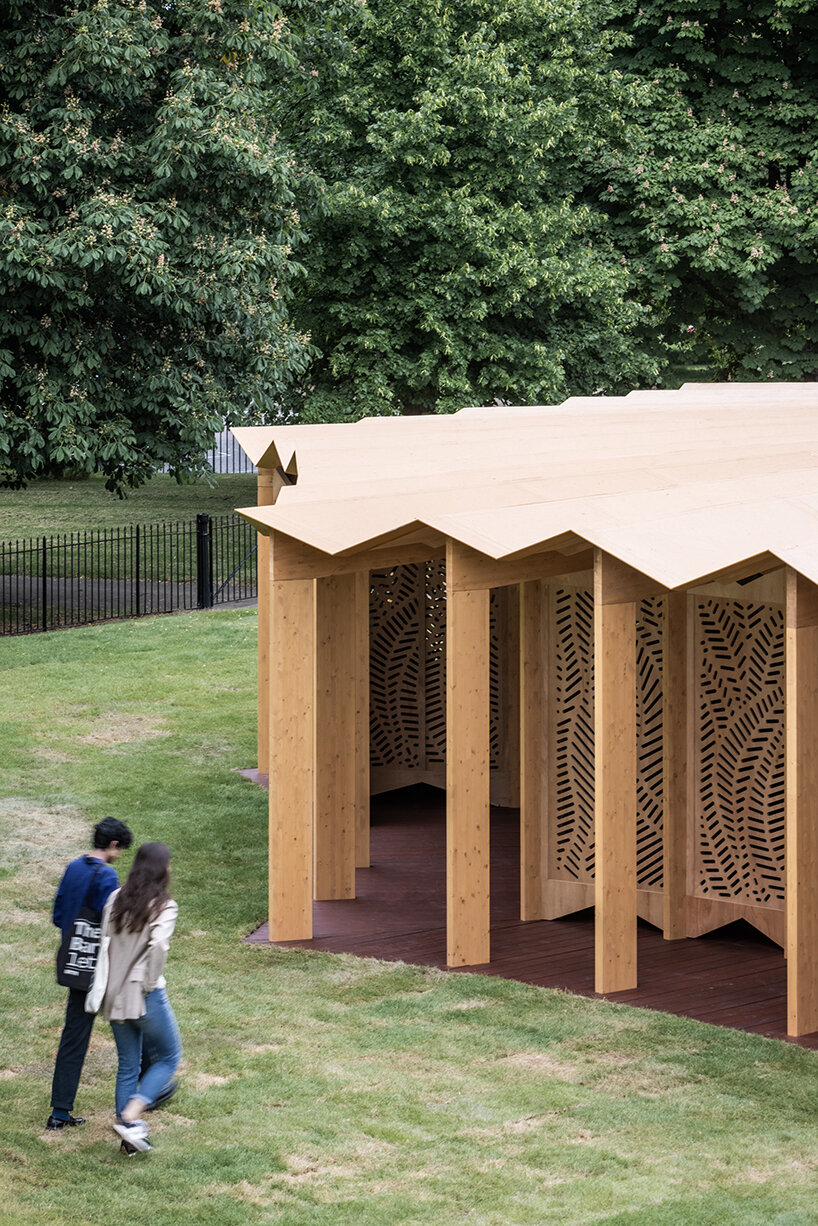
[[160, 1034]]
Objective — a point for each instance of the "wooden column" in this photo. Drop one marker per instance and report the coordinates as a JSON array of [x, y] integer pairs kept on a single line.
[[678, 762], [505, 777], [534, 722], [268, 487], [510, 714], [616, 590], [335, 727], [467, 766], [802, 805], [362, 855], [292, 673]]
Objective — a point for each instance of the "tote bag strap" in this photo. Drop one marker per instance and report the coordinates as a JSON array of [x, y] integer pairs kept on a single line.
[[91, 885]]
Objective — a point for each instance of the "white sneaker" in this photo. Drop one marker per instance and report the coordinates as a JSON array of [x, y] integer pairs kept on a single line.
[[135, 1134]]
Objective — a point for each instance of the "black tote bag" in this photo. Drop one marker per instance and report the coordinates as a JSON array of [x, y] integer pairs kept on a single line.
[[77, 955]]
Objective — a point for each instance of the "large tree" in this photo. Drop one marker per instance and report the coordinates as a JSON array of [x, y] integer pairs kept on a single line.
[[457, 259], [715, 196], [148, 214]]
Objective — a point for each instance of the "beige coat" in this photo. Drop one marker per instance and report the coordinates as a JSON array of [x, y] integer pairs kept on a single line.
[[129, 965]]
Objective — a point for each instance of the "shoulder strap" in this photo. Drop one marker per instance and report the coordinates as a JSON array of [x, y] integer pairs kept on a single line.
[[91, 883]]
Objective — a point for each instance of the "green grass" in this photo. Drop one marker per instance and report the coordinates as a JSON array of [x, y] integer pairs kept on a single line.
[[48, 508], [322, 1090]]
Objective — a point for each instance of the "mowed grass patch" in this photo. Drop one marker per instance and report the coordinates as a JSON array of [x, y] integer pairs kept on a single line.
[[323, 1089], [49, 508]]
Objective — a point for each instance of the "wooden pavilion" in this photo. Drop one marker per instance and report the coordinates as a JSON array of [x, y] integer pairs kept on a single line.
[[604, 611]]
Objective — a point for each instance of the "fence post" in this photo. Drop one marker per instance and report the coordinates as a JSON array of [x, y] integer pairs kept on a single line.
[[136, 569], [204, 562], [44, 591]]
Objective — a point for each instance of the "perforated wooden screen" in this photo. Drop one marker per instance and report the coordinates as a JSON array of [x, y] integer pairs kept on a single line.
[[739, 735], [737, 725], [408, 675], [572, 689]]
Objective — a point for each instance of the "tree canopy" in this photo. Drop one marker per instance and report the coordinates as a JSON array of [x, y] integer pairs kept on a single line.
[[715, 194], [457, 258], [212, 209], [148, 216]]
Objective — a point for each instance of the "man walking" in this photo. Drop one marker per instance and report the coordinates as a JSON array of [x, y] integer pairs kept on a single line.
[[94, 876]]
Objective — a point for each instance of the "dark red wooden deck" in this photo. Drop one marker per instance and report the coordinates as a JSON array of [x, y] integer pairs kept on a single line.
[[734, 977]]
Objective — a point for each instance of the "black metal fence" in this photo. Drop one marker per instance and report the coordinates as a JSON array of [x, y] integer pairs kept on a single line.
[[225, 456], [48, 583]]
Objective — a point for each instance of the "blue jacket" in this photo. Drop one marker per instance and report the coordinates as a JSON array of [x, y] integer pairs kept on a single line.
[[74, 885]]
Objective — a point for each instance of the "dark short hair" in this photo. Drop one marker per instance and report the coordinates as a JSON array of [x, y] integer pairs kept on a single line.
[[111, 830]]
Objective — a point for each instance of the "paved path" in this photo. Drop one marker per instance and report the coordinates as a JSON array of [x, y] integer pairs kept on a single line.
[[75, 602]]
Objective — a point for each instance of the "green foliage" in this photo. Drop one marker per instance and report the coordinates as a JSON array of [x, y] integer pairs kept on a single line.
[[455, 259], [715, 198], [147, 220]]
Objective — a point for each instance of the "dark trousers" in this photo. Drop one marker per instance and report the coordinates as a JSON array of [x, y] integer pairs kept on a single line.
[[76, 1035]]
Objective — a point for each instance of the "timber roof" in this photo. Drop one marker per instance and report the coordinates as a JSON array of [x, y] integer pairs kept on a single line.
[[681, 485]]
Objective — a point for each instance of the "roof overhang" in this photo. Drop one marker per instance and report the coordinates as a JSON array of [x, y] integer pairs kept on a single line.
[[710, 480]]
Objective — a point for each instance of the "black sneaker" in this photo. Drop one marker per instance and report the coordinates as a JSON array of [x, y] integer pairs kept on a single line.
[[127, 1149], [164, 1096], [54, 1122]]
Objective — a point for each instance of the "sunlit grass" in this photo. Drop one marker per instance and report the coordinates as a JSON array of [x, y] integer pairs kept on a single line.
[[320, 1089]]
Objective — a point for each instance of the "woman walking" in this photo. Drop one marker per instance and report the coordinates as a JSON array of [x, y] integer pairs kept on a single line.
[[129, 984]]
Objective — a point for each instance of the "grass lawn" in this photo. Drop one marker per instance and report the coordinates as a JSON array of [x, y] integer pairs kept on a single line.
[[320, 1089], [47, 508]]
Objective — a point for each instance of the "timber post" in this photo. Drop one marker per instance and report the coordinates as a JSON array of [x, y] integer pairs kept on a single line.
[[676, 783], [335, 735], [268, 487], [362, 786], [291, 755], [467, 767], [802, 804], [534, 729], [617, 588]]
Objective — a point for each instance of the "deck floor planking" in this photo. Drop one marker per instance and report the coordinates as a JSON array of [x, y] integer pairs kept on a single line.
[[734, 977]]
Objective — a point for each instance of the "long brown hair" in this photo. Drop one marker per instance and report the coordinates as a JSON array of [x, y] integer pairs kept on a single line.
[[145, 892]]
